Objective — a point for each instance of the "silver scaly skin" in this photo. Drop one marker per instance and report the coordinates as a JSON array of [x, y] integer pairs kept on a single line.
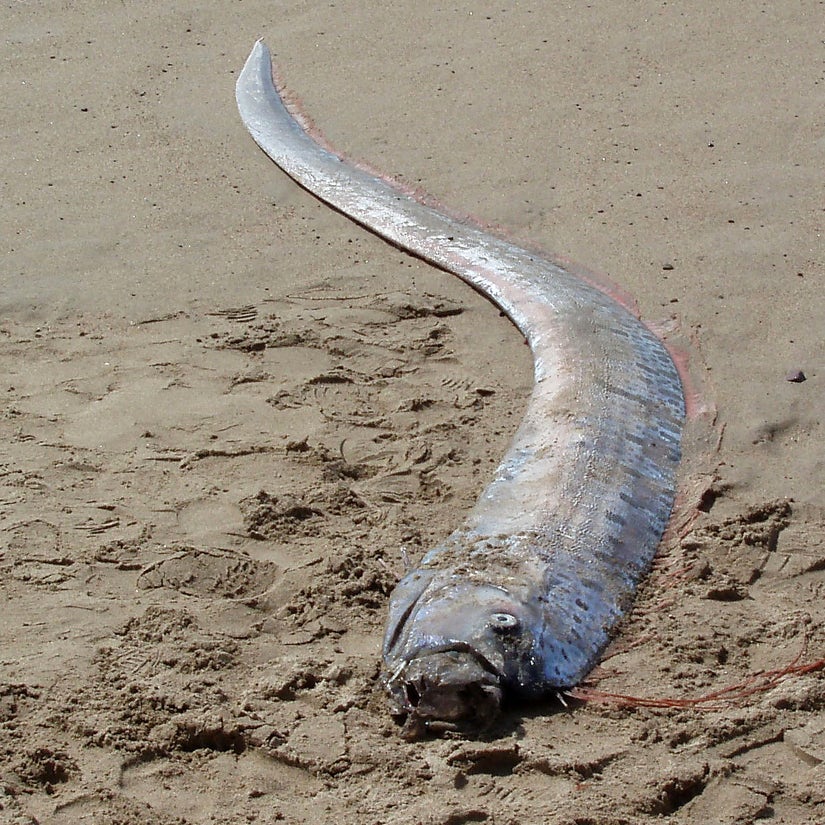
[[522, 598]]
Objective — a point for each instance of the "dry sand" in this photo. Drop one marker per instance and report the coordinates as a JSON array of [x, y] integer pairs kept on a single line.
[[226, 409]]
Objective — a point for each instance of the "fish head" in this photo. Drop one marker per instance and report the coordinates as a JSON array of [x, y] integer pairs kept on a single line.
[[453, 648]]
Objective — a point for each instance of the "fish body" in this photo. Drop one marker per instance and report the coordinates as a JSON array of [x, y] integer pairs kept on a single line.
[[521, 599]]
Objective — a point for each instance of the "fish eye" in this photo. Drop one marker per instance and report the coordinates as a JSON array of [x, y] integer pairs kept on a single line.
[[503, 623]]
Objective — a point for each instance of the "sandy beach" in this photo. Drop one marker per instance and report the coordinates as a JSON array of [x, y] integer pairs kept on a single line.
[[229, 413]]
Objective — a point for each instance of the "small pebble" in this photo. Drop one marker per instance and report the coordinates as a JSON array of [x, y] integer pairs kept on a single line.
[[796, 376], [667, 267]]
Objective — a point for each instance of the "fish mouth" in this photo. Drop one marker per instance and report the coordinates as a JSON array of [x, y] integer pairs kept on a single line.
[[450, 689]]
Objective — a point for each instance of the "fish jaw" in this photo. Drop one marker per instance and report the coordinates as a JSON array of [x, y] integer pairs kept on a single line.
[[444, 690]]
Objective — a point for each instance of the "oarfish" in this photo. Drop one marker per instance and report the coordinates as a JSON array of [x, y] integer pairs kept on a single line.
[[521, 599]]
